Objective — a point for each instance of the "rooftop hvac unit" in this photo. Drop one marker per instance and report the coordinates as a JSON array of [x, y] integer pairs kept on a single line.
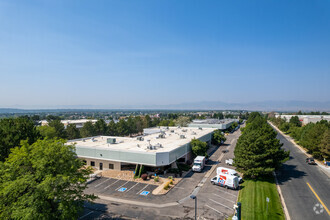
[[200, 128], [184, 130], [172, 131], [193, 133], [161, 136], [182, 136], [111, 140], [140, 138]]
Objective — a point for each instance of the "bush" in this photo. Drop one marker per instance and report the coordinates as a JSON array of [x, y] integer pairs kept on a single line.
[[170, 177], [167, 185], [156, 179], [171, 182], [150, 176], [144, 176], [183, 167], [173, 170]]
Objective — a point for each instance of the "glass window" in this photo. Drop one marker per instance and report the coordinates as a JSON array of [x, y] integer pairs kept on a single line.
[[111, 166], [92, 163]]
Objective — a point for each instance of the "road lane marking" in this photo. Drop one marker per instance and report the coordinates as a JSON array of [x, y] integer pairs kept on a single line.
[[142, 189], [319, 199], [132, 187], [224, 198], [216, 210], [122, 185], [86, 215], [111, 184], [221, 204], [101, 183]]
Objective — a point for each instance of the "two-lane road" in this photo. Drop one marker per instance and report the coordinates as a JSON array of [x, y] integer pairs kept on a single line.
[[304, 187]]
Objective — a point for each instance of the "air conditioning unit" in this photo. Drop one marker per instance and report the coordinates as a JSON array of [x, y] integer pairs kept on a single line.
[[111, 140], [182, 136]]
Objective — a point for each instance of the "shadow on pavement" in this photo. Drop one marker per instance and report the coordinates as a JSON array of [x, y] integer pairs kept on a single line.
[[288, 172]]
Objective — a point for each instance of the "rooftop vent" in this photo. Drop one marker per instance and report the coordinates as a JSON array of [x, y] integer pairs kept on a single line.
[[184, 130], [172, 131], [161, 136], [200, 128], [182, 136], [111, 140], [140, 138]]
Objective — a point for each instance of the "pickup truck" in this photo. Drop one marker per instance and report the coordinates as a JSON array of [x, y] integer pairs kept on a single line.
[[229, 162]]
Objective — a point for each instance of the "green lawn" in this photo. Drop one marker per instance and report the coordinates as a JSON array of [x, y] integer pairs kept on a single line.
[[253, 198]]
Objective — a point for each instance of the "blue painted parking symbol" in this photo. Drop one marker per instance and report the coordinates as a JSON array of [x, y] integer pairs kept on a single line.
[[122, 189], [144, 193]]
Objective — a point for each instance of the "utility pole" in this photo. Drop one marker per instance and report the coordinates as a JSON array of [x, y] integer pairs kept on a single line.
[[195, 198]]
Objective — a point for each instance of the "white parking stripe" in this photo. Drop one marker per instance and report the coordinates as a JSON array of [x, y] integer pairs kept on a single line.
[[216, 210], [226, 192], [86, 215], [101, 183], [178, 187], [132, 187], [224, 198], [122, 185], [221, 204], [111, 184], [142, 189]]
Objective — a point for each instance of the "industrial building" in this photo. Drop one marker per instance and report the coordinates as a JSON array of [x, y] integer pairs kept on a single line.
[[158, 147], [305, 119], [213, 123]]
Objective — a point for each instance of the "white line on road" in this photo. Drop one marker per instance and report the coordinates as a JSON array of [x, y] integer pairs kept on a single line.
[[221, 204], [101, 183], [132, 187], [86, 215], [142, 189], [226, 192], [122, 185], [224, 198], [111, 184], [216, 210], [178, 187]]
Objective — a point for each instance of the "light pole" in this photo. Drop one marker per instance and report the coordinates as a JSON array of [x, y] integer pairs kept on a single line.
[[195, 198]]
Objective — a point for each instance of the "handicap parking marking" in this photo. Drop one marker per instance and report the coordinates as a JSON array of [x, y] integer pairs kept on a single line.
[[122, 185], [144, 193], [123, 189], [142, 189]]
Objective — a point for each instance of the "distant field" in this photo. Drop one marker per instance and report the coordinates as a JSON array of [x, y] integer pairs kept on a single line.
[[253, 199]]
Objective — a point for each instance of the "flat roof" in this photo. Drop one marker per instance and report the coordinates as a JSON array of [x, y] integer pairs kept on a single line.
[[213, 121], [172, 140]]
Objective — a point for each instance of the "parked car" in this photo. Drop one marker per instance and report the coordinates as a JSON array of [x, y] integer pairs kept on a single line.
[[310, 160], [229, 162]]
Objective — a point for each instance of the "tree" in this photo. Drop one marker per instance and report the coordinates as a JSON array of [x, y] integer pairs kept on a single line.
[[13, 131], [147, 122], [258, 152], [112, 128], [47, 131], [72, 131], [131, 126], [218, 137], [199, 148], [59, 128], [294, 121], [325, 145], [100, 127], [122, 128], [44, 180], [88, 130], [139, 124], [182, 121]]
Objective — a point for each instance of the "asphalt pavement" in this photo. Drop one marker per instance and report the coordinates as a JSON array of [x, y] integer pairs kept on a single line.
[[304, 187]]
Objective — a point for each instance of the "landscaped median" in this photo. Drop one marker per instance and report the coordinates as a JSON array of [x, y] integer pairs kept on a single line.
[[253, 195]]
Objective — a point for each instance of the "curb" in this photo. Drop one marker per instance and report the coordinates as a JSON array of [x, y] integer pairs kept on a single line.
[[285, 209]]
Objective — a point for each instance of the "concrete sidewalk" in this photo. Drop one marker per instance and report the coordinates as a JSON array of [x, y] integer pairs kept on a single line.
[[325, 169]]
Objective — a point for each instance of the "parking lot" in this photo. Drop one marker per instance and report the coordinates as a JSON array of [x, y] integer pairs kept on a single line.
[[124, 189]]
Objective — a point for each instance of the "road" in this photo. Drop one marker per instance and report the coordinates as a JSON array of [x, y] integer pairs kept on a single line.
[[294, 177]]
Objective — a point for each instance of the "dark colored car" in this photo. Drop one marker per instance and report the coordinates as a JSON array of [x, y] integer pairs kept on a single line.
[[310, 161]]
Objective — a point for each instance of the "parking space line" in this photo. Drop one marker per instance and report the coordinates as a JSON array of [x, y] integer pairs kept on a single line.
[[111, 184], [224, 198], [122, 185], [216, 210], [226, 192], [101, 183], [221, 204], [178, 187], [132, 187], [86, 215], [142, 189]]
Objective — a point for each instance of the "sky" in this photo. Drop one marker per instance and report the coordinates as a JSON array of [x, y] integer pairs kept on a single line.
[[128, 52]]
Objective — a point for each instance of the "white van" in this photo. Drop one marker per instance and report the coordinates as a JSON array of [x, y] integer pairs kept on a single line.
[[226, 180], [223, 170]]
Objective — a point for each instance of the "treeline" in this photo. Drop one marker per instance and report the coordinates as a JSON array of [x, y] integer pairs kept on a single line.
[[258, 152], [315, 137]]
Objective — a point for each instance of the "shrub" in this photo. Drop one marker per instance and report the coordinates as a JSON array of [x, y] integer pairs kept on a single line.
[[170, 177], [171, 182], [144, 176], [167, 185], [156, 179]]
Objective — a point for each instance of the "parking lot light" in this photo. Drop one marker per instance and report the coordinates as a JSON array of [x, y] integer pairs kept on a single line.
[[195, 198]]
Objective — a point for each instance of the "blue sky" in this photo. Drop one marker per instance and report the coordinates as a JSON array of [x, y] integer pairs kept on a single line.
[[163, 52]]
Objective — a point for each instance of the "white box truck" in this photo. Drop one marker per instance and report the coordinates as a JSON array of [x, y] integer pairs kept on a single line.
[[226, 180], [199, 164], [223, 170]]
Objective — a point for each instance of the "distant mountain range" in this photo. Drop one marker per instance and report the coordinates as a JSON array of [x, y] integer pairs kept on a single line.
[[206, 105]]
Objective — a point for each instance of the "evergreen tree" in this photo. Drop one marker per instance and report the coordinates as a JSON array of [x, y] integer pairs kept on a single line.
[[72, 132]]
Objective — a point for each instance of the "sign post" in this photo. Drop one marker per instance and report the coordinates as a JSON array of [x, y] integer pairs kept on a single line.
[[267, 200]]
